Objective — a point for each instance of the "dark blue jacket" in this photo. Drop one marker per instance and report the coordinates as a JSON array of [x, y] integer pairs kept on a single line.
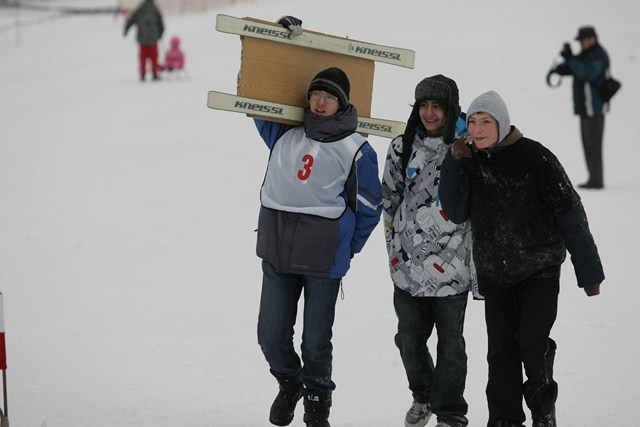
[[589, 70]]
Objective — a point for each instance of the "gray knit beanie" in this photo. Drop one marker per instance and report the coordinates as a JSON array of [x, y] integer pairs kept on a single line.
[[492, 104]]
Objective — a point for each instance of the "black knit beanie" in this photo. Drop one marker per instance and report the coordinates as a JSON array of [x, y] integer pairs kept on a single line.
[[444, 91], [334, 81]]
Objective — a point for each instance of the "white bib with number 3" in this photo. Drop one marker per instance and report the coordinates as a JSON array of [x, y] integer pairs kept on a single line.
[[308, 176]]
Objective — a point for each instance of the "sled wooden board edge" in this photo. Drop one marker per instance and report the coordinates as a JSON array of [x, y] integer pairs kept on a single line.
[[292, 114], [310, 39]]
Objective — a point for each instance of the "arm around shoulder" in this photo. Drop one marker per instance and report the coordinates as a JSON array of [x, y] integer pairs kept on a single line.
[[454, 189]]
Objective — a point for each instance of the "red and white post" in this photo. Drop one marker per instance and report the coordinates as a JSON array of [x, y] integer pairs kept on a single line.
[[4, 420]]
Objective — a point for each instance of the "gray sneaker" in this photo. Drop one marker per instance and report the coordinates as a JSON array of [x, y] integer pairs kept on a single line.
[[418, 415]]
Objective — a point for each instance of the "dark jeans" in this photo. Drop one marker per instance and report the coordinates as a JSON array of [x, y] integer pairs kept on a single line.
[[278, 311], [592, 130], [442, 385], [519, 322]]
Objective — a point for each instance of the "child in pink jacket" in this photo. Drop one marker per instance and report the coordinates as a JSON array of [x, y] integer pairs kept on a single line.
[[174, 58]]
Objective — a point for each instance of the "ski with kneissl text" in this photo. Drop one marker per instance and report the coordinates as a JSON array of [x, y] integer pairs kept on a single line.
[[267, 109], [314, 40]]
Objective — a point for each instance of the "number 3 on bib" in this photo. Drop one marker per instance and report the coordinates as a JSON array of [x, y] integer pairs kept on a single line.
[[305, 172]]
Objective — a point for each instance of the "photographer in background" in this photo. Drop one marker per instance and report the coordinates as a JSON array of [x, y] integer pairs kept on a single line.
[[590, 69]]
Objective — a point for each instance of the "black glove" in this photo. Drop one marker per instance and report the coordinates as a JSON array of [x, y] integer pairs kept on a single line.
[[566, 51], [292, 24]]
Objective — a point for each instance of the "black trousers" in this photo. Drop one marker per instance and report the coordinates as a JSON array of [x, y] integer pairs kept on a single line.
[[592, 131], [519, 322]]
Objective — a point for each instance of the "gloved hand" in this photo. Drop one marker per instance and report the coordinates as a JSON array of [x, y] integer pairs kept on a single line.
[[566, 51], [460, 148], [592, 290], [292, 24]]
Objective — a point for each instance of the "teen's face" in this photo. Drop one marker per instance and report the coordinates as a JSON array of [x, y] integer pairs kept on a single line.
[[432, 116], [322, 103], [483, 129]]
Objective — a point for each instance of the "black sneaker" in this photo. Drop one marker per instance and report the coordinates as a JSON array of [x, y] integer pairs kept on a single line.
[[316, 409], [284, 405]]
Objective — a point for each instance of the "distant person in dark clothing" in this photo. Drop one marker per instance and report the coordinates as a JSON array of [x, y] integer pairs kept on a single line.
[[590, 69], [148, 19], [524, 216]]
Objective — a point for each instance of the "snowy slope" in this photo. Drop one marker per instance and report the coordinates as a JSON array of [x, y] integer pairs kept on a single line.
[[127, 216]]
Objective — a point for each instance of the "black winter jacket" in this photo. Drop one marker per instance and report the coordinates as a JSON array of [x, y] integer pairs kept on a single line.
[[524, 214], [148, 19]]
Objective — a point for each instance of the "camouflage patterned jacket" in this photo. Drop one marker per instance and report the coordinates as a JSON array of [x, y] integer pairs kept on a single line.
[[429, 256]]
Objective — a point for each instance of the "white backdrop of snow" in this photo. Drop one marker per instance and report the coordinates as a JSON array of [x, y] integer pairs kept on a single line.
[[128, 212]]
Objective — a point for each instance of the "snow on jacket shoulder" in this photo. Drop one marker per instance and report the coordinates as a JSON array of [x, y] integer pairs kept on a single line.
[[524, 214]]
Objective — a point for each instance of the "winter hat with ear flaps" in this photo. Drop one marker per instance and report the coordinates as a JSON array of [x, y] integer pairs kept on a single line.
[[334, 81], [444, 91], [492, 104]]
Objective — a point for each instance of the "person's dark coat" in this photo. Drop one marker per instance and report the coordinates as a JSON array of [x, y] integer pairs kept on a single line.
[[589, 70], [148, 20], [524, 214]]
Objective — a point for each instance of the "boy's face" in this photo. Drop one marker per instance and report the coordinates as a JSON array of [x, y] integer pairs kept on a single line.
[[322, 103], [483, 129], [432, 116]]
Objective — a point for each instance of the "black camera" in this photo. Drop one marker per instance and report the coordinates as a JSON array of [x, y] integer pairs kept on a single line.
[[566, 51]]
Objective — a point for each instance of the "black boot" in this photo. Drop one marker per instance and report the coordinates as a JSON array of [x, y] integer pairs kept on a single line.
[[545, 416], [316, 409], [284, 405], [549, 420], [504, 423]]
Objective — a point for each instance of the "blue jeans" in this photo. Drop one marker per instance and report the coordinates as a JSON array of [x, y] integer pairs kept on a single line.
[[443, 384], [278, 311]]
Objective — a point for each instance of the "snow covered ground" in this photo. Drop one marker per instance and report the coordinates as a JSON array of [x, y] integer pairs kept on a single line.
[[128, 209]]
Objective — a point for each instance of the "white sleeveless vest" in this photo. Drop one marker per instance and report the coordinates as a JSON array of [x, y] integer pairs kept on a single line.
[[307, 176]]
